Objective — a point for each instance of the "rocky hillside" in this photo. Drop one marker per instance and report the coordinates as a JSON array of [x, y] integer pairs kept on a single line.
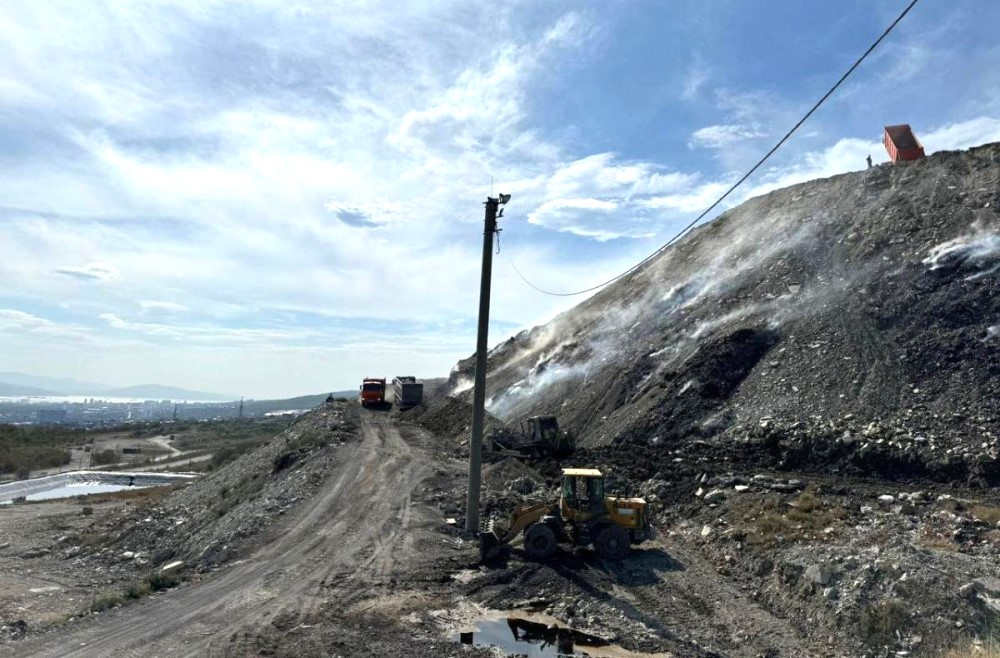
[[870, 299]]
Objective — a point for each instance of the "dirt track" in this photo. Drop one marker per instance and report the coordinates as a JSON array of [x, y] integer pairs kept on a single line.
[[367, 567], [323, 553]]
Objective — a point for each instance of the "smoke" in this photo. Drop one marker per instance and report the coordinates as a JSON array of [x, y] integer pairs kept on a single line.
[[506, 401], [979, 252], [462, 384], [661, 314]]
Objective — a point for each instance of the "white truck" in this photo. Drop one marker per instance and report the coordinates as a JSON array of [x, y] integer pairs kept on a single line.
[[407, 391]]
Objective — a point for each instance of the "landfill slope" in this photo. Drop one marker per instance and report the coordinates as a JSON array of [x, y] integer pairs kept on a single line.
[[868, 296]]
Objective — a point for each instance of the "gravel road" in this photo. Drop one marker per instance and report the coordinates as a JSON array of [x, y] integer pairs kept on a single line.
[[358, 529]]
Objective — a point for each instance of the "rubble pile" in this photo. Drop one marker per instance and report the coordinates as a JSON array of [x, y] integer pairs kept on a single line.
[[209, 521], [871, 295]]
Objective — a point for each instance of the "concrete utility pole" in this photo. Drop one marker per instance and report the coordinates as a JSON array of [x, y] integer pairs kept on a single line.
[[482, 337]]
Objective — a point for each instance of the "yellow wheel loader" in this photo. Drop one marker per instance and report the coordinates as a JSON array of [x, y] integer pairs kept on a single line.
[[584, 516]]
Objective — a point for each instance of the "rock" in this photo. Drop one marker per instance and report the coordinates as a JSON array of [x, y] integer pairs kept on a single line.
[[72, 551], [819, 574], [128, 555], [740, 488], [173, 566], [700, 492], [987, 586], [35, 552], [524, 485], [706, 531], [4, 545], [714, 496], [886, 499]]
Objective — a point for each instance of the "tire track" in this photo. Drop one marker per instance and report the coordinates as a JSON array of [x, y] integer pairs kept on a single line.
[[356, 532]]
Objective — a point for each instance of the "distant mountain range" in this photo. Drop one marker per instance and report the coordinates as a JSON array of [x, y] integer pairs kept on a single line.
[[20, 384]]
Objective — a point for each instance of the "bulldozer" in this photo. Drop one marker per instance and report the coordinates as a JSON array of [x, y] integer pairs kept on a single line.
[[539, 437], [584, 516]]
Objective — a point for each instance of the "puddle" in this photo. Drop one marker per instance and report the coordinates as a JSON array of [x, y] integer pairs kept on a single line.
[[522, 636]]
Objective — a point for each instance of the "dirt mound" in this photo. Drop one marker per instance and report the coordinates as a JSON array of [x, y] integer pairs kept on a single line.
[[871, 296], [450, 417], [216, 518]]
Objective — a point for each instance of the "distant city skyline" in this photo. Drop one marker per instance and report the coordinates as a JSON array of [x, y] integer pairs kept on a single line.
[[271, 199]]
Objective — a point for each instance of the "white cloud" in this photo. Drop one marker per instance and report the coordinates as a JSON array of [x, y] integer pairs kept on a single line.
[[961, 135], [695, 78], [723, 135], [92, 272], [149, 305], [214, 162]]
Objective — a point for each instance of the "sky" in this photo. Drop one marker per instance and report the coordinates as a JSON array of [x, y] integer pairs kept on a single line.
[[269, 198]]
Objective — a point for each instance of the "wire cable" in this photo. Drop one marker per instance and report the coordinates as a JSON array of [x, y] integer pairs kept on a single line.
[[745, 176]]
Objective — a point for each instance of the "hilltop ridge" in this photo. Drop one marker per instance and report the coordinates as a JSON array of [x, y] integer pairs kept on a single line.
[[870, 296]]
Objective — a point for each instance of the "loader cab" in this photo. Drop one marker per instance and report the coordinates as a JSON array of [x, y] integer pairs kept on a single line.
[[583, 493]]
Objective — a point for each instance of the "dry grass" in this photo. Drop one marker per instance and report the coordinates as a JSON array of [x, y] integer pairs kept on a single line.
[[969, 649], [937, 542], [986, 514], [803, 519]]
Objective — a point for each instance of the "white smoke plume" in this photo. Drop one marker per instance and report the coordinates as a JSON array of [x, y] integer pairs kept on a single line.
[[578, 343], [979, 251]]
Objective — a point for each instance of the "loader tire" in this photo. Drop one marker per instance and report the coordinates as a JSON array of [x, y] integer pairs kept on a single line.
[[612, 542], [539, 541]]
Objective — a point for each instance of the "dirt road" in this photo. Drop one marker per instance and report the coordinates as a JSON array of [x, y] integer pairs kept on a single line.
[[358, 530]]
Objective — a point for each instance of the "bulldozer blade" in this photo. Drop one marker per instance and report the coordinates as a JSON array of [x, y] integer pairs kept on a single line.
[[489, 545], [489, 541]]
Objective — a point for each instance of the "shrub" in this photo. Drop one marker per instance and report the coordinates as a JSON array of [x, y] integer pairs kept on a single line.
[[104, 457], [105, 600], [138, 590], [158, 581]]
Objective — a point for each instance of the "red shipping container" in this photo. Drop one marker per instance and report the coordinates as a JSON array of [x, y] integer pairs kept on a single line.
[[901, 143]]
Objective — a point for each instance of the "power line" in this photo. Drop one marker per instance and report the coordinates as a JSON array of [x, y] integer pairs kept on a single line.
[[745, 176]]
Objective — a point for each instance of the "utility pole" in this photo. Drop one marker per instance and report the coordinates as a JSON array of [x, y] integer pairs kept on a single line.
[[240, 416], [482, 338]]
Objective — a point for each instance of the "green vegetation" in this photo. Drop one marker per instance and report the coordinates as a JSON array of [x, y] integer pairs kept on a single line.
[[197, 436], [28, 448], [158, 581], [23, 449], [105, 600]]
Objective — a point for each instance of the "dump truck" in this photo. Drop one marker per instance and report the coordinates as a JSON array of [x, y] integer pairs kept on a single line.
[[584, 515], [372, 392], [901, 144], [407, 391], [539, 436]]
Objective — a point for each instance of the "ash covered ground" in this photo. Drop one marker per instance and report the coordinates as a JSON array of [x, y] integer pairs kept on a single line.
[[870, 296], [806, 391]]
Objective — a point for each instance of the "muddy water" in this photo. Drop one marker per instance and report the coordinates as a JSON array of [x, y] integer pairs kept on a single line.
[[538, 637]]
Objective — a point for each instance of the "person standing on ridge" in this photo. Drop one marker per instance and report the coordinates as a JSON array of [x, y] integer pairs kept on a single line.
[[869, 159]]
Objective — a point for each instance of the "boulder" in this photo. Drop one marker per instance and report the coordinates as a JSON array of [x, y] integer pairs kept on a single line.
[[819, 574]]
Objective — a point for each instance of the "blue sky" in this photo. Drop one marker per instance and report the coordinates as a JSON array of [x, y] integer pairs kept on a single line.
[[270, 198]]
